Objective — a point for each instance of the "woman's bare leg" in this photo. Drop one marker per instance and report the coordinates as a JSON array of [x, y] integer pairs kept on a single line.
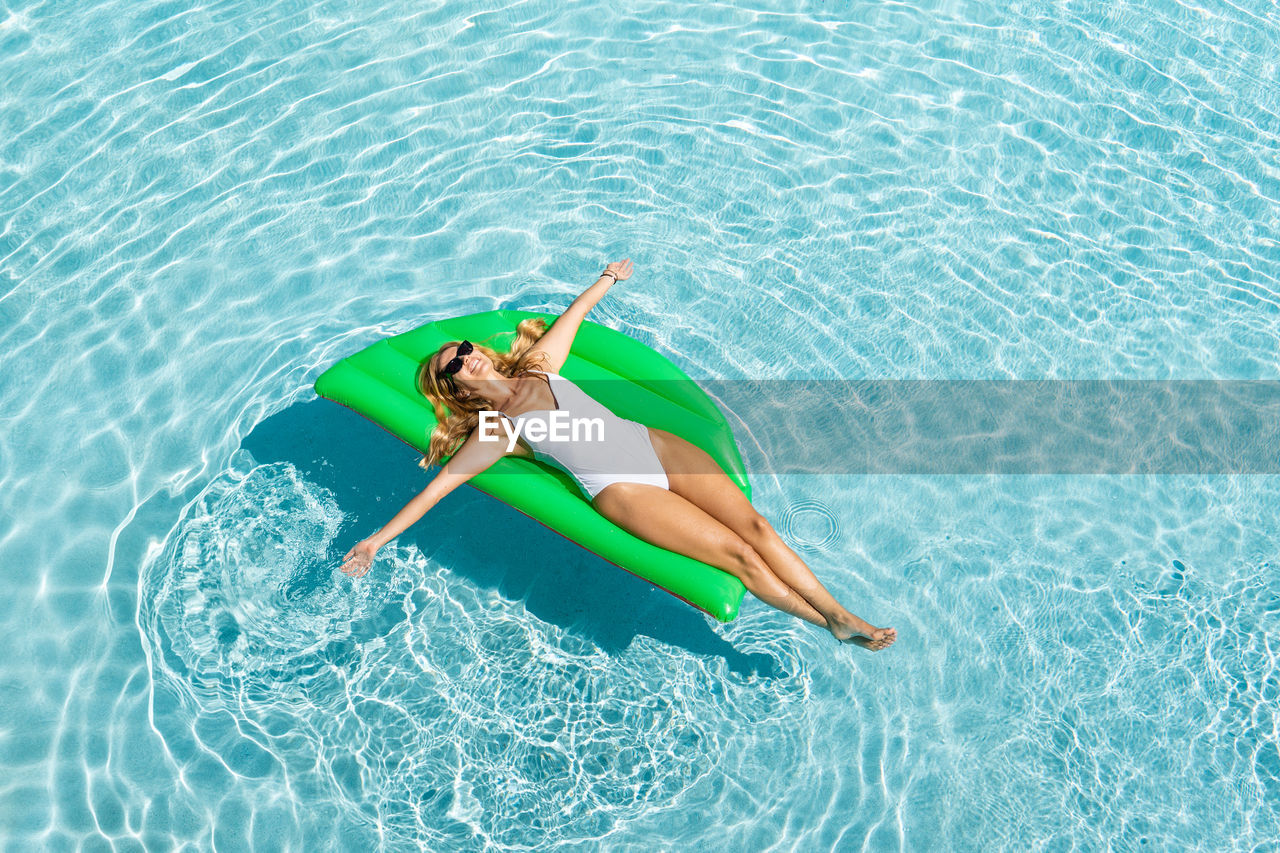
[[695, 476], [793, 571], [669, 521]]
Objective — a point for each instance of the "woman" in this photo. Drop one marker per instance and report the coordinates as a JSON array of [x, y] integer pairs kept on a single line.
[[654, 484]]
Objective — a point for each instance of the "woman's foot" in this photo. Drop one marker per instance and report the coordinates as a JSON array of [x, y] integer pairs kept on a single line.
[[864, 634], [880, 638]]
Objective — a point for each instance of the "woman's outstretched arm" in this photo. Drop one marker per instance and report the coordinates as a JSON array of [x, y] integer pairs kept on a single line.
[[559, 338], [473, 457]]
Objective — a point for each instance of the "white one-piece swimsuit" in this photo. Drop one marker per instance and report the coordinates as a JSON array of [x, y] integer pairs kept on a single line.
[[625, 455]]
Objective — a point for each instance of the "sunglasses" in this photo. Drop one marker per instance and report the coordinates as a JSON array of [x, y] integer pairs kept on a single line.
[[455, 364]]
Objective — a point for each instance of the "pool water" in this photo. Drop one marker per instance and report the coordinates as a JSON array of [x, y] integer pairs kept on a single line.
[[202, 207]]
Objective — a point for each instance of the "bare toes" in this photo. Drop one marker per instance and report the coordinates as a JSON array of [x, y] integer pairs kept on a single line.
[[881, 639]]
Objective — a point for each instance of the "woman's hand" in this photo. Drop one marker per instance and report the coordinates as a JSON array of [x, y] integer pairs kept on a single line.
[[622, 269], [360, 558]]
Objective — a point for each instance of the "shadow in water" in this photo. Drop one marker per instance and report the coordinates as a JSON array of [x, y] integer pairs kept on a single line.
[[372, 475]]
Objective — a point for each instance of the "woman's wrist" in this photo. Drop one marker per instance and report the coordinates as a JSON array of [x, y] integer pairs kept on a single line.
[[596, 292]]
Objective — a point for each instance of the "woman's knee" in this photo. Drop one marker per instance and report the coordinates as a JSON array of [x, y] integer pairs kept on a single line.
[[759, 528], [756, 531], [745, 560]]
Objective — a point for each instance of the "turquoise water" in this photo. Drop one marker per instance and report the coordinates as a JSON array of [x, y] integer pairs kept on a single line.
[[202, 207]]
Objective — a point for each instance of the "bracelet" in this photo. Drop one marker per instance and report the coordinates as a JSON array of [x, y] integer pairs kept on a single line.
[[610, 272]]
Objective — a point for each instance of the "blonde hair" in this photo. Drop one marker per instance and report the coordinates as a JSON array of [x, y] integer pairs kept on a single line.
[[458, 416]]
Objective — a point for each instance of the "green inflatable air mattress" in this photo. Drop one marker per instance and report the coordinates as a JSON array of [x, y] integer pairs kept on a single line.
[[379, 383]]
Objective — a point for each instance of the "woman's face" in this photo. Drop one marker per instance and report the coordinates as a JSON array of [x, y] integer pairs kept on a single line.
[[476, 366]]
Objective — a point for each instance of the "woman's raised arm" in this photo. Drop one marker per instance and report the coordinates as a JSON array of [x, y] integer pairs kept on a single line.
[[558, 340], [473, 457]]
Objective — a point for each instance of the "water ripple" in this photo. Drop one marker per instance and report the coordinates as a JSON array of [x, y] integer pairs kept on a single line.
[[427, 706]]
